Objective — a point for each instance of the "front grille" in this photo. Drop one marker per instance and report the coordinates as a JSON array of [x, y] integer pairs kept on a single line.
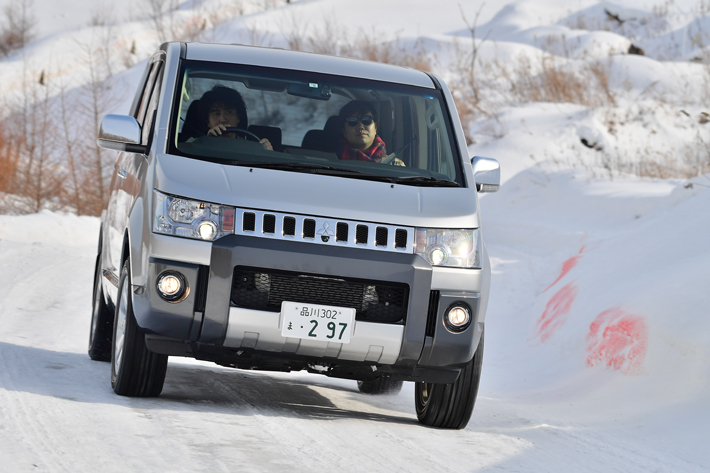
[[269, 223], [309, 228], [289, 226], [381, 236], [400, 238], [361, 232], [341, 231], [324, 230], [373, 301], [249, 222]]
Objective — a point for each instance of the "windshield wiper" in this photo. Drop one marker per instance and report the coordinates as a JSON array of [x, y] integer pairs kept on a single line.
[[301, 167], [322, 169], [344, 172], [425, 181]]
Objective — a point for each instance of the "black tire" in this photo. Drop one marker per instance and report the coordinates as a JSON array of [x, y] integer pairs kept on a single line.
[[101, 330], [450, 406], [382, 385], [135, 371]]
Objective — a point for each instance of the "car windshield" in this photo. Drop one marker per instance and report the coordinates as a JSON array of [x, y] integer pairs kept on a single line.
[[299, 121]]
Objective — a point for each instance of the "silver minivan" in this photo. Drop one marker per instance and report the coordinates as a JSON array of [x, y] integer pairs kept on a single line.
[[280, 210]]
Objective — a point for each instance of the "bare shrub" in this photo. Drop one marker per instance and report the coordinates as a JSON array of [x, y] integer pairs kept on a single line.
[[171, 27], [9, 158], [330, 38], [94, 162], [49, 143], [17, 26], [74, 153], [193, 28], [256, 37], [686, 162], [295, 31], [600, 72], [559, 81], [467, 115], [38, 175], [160, 13], [553, 84], [371, 48], [471, 78]]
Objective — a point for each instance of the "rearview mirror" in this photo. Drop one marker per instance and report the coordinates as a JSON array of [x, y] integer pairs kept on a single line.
[[310, 90], [120, 133], [486, 173]]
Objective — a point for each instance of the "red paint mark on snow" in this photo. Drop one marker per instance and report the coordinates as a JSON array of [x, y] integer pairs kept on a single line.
[[567, 267], [617, 339], [555, 314]]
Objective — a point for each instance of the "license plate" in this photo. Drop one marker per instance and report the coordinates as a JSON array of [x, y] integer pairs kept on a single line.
[[317, 322]]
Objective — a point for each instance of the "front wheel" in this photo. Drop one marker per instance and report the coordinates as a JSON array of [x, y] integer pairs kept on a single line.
[[450, 406], [135, 371]]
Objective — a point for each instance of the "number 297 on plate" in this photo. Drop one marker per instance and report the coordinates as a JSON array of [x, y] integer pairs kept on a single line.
[[317, 322]]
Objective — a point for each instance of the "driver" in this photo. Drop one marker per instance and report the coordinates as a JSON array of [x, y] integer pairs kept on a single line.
[[360, 140], [223, 107]]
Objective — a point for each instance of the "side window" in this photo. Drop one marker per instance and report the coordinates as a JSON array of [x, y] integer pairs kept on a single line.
[[147, 122], [150, 79]]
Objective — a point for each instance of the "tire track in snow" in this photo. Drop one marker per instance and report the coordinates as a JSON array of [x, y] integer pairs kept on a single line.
[[28, 413], [318, 426]]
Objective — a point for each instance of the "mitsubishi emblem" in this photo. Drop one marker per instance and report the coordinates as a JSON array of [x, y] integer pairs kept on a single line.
[[325, 232]]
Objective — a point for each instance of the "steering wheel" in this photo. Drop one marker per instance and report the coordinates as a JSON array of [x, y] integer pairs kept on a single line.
[[247, 134]]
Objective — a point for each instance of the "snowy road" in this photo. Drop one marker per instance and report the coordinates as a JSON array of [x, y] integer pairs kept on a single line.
[[58, 412]]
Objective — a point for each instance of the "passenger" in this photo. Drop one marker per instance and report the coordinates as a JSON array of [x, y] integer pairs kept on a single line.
[[360, 140], [223, 107]]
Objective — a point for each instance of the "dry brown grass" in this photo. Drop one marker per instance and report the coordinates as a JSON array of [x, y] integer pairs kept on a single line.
[[368, 47], [685, 163], [9, 157], [48, 152], [329, 36], [559, 81]]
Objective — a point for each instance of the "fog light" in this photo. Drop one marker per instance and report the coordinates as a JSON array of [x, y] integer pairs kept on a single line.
[[172, 286], [457, 317], [207, 230]]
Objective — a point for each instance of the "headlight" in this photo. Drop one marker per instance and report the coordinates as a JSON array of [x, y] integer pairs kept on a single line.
[[191, 218], [457, 248]]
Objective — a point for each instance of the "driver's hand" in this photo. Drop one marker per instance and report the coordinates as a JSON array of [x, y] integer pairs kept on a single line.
[[266, 143], [217, 131]]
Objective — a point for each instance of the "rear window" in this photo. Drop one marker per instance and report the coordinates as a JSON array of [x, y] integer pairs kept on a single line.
[[306, 122]]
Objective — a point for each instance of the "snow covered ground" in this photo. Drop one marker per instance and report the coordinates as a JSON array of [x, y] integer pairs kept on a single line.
[[598, 337]]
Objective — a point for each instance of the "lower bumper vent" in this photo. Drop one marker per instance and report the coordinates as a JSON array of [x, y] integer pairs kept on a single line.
[[373, 301]]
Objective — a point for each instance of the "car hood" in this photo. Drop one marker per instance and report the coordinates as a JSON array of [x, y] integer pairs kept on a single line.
[[316, 194]]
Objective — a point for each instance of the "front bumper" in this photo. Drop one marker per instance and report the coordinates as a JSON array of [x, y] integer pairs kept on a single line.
[[206, 326]]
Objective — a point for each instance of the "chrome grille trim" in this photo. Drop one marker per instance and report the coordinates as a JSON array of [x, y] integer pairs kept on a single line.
[[324, 227]]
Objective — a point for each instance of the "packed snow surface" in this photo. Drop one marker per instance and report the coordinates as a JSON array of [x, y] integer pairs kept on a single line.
[[597, 351]]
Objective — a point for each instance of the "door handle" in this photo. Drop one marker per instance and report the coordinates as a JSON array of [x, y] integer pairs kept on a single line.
[[122, 174]]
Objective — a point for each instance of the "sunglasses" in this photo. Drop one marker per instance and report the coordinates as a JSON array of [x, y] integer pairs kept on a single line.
[[366, 120]]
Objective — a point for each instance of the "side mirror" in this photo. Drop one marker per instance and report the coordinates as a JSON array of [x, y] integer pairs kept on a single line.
[[486, 173], [120, 133]]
